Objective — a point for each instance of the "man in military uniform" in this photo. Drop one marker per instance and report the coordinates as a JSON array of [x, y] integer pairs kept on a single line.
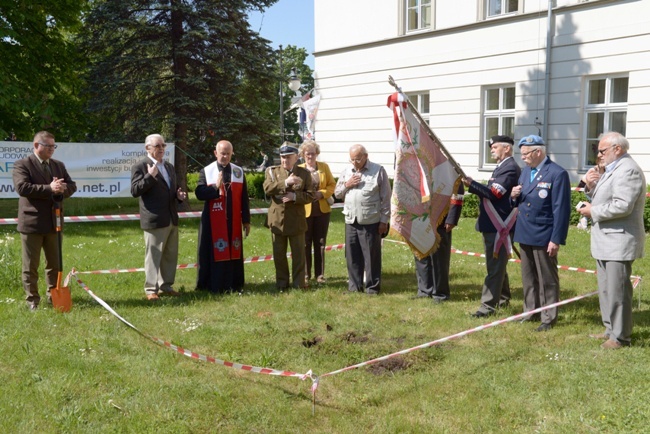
[[290, 188]]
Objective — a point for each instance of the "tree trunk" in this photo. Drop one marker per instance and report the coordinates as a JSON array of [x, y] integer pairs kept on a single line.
[[180, 74]]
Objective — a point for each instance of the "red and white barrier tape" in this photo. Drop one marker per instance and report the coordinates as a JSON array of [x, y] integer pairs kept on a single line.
[[250, 259], [127, 217], [184, 351], [463, 333]]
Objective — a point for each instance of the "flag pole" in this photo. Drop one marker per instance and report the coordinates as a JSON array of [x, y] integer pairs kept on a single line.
[[428, 130]]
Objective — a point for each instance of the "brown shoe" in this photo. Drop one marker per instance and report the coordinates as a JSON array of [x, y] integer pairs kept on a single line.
[[153, 297], [170, 292], [611, 345], [601, 336]]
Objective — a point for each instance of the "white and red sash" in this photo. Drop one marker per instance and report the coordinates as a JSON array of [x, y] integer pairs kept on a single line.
[[224, 250], [503, 228]]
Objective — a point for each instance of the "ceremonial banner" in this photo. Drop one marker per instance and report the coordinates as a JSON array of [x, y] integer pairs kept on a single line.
[[423, 183], [311, 110]]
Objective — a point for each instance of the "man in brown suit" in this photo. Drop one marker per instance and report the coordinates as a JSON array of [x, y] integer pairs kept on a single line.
[[290, 188], [40, 182]]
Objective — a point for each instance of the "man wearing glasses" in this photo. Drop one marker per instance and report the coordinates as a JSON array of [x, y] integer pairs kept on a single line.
[[543, 197], [40, 181], [153, 180], [617, 236], [366, 191]]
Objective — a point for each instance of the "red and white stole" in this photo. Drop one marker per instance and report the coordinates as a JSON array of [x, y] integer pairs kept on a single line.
[[223, 249], [503, 227]]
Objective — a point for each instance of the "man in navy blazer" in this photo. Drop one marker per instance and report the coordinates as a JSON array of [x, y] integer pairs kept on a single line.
[[496, 221], [543, 198], [154, 182], [41, 182], [617, 236]]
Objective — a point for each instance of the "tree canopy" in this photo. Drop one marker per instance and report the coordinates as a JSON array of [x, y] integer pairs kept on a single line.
[[118, 70], [38, 66]]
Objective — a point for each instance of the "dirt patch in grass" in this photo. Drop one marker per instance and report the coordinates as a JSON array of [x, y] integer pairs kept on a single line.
[[308, 343], [355, 338], [394, 364]]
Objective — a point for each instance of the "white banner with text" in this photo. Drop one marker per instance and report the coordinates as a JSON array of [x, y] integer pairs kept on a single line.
[[99, 169]]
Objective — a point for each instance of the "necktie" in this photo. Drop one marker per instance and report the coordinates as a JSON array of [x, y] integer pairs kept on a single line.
[[46, 169], [533, 174]]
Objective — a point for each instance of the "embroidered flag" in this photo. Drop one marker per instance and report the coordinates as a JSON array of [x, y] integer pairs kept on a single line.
[[423, 184]]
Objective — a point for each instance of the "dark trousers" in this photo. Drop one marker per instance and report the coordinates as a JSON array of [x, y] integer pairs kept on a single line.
[[363, 254], [496, 286], [316, 236], [540, 280], [32, 246], [433, 271]]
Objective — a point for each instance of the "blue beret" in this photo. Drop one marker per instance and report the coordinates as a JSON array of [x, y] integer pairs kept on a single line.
[[531, 140]]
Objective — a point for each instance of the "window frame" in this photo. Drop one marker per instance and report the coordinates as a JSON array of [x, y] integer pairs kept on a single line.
[[607, 108], [485, 158], [421, 101], [485, 5], [405, 10]]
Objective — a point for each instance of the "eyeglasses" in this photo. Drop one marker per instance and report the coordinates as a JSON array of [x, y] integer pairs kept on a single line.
[[47, 146], [602, 151], [357, 160], [159, 146], [525, 154]]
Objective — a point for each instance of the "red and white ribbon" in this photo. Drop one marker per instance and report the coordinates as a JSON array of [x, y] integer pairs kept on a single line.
[[503, 228], [248, 260], [184, 351]]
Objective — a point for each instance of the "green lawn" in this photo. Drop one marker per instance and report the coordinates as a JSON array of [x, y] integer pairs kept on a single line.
[[87, 372]]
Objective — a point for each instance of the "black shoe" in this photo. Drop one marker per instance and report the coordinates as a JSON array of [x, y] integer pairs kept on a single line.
[[544, 328], [479, 314]]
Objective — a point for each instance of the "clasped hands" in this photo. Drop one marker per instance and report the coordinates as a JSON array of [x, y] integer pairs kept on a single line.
[[58, 185]]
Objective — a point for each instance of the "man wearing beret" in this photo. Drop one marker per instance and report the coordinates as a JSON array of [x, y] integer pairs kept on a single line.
[[290, 188], [543, 197], [496, 221]]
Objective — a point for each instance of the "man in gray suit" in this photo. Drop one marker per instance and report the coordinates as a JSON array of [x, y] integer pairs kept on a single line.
[[154, 182], [618, 236]]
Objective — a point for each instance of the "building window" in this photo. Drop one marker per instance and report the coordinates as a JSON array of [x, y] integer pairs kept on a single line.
[[498, 117], [501, 7], [605, 110], [421, 103], [418, 15]]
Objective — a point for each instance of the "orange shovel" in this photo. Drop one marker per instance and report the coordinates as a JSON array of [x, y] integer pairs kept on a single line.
[[61, 298]]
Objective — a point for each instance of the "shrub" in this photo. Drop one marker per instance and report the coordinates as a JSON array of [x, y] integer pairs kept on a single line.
[[192, 180], [255, 184]]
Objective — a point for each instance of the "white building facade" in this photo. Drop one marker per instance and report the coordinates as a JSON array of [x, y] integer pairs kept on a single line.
[[566, 69]]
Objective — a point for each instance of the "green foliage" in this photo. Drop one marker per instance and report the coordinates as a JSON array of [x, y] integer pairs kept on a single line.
[[192, 181], [470, 206], [39, 81], [255, 184], [193, 71]]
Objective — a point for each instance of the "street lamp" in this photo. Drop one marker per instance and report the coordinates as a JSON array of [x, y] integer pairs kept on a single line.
[[294, 81], [294, 85]]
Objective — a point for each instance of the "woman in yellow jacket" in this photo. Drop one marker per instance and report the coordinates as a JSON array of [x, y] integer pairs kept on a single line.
[[317, 212]]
